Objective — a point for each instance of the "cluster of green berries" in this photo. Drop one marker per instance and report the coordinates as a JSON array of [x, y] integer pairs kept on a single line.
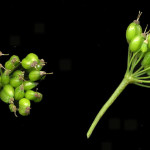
[[18, 80], [139, 42]]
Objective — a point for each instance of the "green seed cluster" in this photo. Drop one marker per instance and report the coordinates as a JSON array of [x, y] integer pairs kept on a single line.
[[138, 65], [139, 44], [18, 80]]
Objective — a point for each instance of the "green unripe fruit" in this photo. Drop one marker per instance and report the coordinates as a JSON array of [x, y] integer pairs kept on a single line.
[[9, 90], [38, 67], [6, 98], [19, 92], [16, 81], [133, 30], [139, 29], [31, 60], [12, 62], [26, 64], [9, 65], [144, 46], [24, 107], [32, 95], [146, 60], [39, 97], [36, 75], [32, 56], [14, 59], [5, 77], [28, 85], [18, 73], [7, 94], [136, 43]]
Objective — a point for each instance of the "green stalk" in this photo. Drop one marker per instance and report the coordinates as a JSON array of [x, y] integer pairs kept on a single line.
[[127, 79]]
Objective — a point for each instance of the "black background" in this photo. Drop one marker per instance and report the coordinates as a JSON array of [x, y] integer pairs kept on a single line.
[[92, 37]]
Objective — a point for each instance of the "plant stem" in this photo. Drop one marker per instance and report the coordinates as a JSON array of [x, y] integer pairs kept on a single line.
[[113, 97]]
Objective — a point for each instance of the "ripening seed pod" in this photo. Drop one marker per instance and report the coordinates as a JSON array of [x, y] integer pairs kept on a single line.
[[16, 81], [133, 29], [146, 60], [24, 107], [33, 95], [39, 97], [19, 92], [136, 43], [31, 60], [5, 77], [18, 73], [28, 85], [38, 67], [30, 94], [144, 46], [14, 59], [9, 65], [36, 75], [7, 94]]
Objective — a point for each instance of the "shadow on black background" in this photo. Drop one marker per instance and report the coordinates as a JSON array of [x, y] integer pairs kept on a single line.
[[90, 40]]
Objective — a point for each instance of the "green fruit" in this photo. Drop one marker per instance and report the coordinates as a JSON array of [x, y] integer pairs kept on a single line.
[[144, 46], [9, 65], [18, 73], [24, 107], [26, 64], [31, 60], [32, 56], [7, 94], [146, 60], [28, 85], [19, 92], [133, 30], [12, 62], [16, 81], [36, 75], [136, 43], [32, 95], [14, 59], [139, 29], [39, 97], [5, 77], [38, 67]]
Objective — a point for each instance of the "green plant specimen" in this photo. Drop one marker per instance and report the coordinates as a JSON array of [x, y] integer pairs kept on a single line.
[[17, 81], [138, 65]]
